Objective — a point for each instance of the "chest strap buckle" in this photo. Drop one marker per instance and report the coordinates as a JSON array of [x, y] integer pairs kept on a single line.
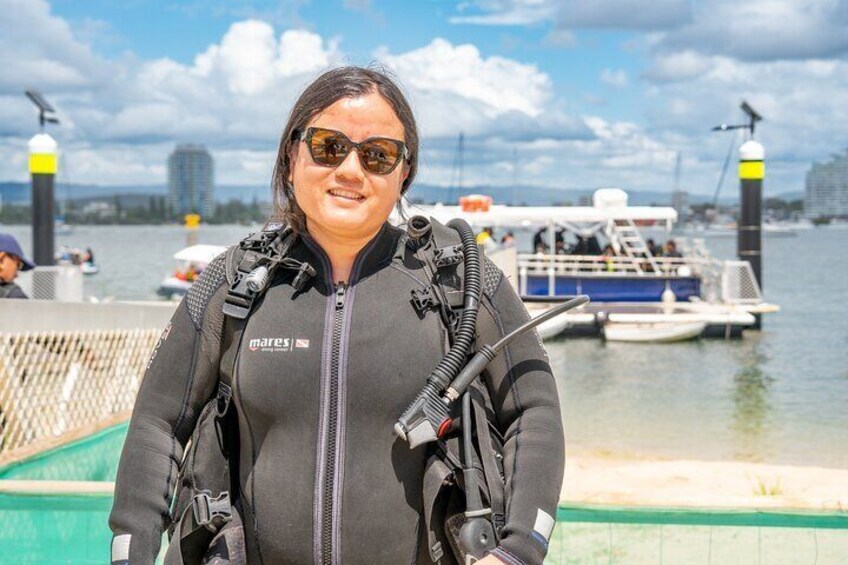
[[211, 513]]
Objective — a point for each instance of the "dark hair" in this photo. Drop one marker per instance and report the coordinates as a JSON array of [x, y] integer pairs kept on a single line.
[[327, 89]]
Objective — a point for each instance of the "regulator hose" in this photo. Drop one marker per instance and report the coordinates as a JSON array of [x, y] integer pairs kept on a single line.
[[428, 405], [456, 358]]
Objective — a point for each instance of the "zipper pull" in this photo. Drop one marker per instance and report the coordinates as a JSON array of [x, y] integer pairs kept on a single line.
[[340, 295]]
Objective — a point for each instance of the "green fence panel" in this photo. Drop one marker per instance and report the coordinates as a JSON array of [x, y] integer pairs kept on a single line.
[[53, 529], [94, 458]]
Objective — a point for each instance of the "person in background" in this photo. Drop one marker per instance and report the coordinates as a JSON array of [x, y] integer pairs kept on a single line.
[[539, 245], [671, 249], [12, 260], [655, 249], [486, 241], [607, 257], [508, 240]]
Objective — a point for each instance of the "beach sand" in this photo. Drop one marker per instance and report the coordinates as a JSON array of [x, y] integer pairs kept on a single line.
[[596, 478]]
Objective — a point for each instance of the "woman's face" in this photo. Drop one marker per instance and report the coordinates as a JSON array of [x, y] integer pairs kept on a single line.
[[347, 202]]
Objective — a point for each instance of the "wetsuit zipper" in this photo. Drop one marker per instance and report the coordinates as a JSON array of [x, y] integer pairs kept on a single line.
[[332, 427]]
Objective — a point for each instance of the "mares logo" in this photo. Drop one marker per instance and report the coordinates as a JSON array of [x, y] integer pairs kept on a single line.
[[277, 344]]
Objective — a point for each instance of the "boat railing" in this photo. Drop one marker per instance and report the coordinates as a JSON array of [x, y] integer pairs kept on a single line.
[[610, 266], [731, 282], [68, 366]]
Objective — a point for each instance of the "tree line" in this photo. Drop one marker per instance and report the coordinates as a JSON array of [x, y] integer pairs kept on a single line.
[[156, 211]]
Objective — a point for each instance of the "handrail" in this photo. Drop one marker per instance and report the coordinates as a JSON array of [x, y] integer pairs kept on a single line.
[[612, 265]]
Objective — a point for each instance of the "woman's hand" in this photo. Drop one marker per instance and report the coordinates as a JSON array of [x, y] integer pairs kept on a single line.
[[490, 560]]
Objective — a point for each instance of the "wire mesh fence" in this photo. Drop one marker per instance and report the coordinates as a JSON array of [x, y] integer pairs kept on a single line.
[[52, 383]]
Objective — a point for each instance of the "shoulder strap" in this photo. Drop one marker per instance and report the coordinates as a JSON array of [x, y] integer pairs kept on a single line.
[[442, 259], [250, 267]]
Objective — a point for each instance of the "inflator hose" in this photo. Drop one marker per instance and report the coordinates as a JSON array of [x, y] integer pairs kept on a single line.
[[457, 356]]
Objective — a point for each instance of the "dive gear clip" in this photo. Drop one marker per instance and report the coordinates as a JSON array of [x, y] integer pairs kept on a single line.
[[211, 513]]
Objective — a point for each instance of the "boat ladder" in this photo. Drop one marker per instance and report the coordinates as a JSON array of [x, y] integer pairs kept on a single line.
[[631, 243]]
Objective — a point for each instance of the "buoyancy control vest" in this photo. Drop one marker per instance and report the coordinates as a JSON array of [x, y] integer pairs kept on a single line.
[[205, 520]]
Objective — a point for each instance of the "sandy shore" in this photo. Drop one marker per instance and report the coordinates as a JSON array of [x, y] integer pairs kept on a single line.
[[600, 479]]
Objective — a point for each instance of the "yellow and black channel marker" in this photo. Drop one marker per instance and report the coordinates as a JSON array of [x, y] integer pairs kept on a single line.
[[42, 170], [752, 170]]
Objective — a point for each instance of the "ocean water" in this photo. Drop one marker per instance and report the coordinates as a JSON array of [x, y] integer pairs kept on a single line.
[[779, 395]]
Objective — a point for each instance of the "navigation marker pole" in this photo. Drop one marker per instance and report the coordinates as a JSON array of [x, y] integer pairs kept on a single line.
[[42, 168], [752, 169], [750, 239]]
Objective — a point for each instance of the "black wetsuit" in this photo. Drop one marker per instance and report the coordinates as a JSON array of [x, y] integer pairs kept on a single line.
[[322, 376]]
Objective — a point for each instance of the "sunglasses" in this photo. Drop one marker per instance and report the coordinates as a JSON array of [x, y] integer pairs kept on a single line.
[[378, 155]]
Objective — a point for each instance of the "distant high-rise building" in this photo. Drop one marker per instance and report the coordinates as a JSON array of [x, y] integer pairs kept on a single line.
[[827, 188], [191, 181]]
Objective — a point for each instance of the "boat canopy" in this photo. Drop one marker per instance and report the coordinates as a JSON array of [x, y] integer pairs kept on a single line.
[[609, 204], [201, 253], [503, 216]]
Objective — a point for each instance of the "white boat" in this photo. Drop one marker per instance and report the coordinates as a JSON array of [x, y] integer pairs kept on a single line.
[[625, 276], [77, 258], [192, 260], [548, 329], [652, 332], [89, 268], [768, 229]]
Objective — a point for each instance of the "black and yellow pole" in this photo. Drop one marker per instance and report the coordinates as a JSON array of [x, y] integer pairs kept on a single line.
[[752, 170], [42, 169]]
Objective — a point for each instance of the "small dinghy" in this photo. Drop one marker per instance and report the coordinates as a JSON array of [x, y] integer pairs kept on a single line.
[[192, 260], [89, 268], [652, 332]]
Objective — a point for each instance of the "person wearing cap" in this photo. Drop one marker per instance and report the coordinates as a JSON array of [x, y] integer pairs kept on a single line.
[[12, 260]]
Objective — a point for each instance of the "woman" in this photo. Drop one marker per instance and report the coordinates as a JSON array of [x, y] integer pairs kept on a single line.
[[324, 371]]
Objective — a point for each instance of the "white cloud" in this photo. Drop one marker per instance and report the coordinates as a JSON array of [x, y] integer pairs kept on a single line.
[[764, 30], [39, 50], [615, 78], [122, 117], [442, 70], [506, 12], [679, 66], [624, 14], [786, 57], [597, 14]]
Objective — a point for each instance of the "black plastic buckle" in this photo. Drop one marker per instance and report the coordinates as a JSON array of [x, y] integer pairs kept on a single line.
[[211, 513], [436, 552], [304, 273], [498, 521], [222, 406], [424, 299], [447, 256], [225, 395], [258, 241], [239, 298]]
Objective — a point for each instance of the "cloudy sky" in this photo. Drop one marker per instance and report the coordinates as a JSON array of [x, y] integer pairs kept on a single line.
[[553, 93]]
